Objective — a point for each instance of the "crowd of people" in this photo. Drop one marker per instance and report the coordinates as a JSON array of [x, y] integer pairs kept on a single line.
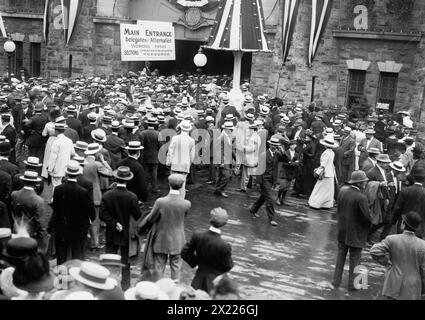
[[101, 143]]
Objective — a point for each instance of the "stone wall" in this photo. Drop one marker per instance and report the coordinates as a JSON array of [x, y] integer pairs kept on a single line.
[[294, 78]]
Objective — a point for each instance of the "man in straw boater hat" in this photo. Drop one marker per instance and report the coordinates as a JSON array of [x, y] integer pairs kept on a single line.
[[5, 164], [369, 142], [412, 198], [10, 133], [73, 210], [61, 152], [115, 145], [31, 208], [181, 153], [224, 153], [113, 263], [209, 252], [31, 164], [267, 179], [403, 255], [353, 226], [118, 205], [370, 161]]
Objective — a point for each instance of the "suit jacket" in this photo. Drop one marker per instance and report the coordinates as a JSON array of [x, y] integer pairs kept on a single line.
[[83, 118], [73, 211], [375, 175], [289, 165], [362, 147], [368, 165], [211, 254], [86, 184], [61, 153], [75, 124], [411, 198], [18, 184], [28, 204], [92, 171], [405, 276], [10, 133], [270, 172], [353, 217], [9, 167], [118, 205], [224, 146], [4, 216], [348, 144], [138, 184], [116, 147], [149, 139], [5, 187], [35, 127], [169, 213], [181, 153], [71, 134], [86, 133]]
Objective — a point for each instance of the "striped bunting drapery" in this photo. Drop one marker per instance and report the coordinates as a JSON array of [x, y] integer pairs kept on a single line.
[[289, 19], [46, 20], [239, 26], [74, 10], [2, 28], [70, 11], [320, 13]]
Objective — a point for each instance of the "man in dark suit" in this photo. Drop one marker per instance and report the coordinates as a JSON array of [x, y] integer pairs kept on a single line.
[[86, 132], [84, 112], [115, 145], [150, 142], [72, 120], [289, 165], [138, 184], [168, 214], [348, 144], [209, 252], [35, 127], [224, 145], [412, 198], [380, 172], [353, 226], [5, 164], [118, 205], [82, 180], [31, 164], [267, 179], [72, 211], [10, 133]]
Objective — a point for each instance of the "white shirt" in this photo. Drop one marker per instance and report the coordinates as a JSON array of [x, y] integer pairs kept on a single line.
[[123, 185], [176, 192], [215, 230], [292, 153], [383, 173]]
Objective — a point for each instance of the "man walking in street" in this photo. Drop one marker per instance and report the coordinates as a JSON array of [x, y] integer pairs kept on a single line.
[[118, 205], [224, 148], [150, 141], [168, 214], [353, 226]]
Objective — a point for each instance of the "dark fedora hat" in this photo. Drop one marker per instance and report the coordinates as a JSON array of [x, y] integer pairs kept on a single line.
[[418, 171], [123, 173], [357, 177], [20, 247], [5, 147], [412, 219]]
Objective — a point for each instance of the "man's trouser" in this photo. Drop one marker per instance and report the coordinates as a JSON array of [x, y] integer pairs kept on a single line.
[[355, 255], [265, 197], [160, 261], [224, 174], [125, 275], [76, 246]]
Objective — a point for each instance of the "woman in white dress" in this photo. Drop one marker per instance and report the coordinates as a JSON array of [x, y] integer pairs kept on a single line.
[[323, 192], [49, 131]]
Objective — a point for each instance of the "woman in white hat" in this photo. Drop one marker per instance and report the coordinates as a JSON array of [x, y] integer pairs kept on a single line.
[[323, 192]]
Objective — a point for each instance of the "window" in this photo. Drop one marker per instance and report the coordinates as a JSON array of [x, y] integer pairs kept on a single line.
[[387, 89], [35, 59], [356, 82], [19, 57]]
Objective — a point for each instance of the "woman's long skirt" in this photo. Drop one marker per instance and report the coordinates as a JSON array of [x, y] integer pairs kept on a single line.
[[323, 194]]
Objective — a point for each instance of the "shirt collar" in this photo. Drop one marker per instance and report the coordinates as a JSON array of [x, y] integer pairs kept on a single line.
[[174, 192], [355, 187], [419, 184], [4, 158], [215, 230], [72, 180], [28, 188], [122, 185]]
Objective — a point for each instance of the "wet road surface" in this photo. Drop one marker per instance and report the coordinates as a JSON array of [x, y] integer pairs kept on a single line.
[[293, 261]]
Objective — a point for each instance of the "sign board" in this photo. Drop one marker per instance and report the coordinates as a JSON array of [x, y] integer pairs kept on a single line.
[[147, 41]]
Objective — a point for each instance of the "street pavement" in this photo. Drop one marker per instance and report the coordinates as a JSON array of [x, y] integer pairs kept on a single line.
[[293, 261]]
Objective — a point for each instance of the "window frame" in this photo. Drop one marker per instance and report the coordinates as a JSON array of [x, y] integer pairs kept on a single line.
[[32, 58], [355, 94], [393, 89]]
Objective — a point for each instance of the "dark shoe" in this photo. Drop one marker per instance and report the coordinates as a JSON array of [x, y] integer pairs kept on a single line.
[[242, 190], [155, 191], [273, 223], [217, 193], [210, 182], [254, 214]]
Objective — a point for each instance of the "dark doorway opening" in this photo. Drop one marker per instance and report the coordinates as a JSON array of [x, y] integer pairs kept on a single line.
[[219, 62]]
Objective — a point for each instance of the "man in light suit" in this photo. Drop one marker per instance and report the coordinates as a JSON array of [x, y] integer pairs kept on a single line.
[[369, 142], [224, 146], [168, 214], [404, 255], [62, 151], [181, 153]]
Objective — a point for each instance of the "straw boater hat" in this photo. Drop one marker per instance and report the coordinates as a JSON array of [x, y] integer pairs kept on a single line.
[[80, 295], [98, 135], [397, 166], [134, 145], [145, 290], [79, 159], [30, 176], [185, 125], [383, 158], [357, 177], [81, 145], [328, 141], [73, 168], [369, 131], [274, 141], [228, 125], [93, 148], [33, 162], [109, 259], [93, 275], [373, 150], [123, 173]]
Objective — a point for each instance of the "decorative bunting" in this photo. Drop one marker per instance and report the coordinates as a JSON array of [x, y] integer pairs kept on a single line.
[[46, 20], [289, 19], [239, 26], [74, 10], [320, 13], [2, 28]]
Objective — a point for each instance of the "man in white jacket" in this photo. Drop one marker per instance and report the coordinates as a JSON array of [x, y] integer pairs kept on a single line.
[[181, 153], [251, 156], [61, 153]]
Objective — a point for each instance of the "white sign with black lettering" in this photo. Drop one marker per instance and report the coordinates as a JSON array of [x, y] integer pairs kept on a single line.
[[147, 41]]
